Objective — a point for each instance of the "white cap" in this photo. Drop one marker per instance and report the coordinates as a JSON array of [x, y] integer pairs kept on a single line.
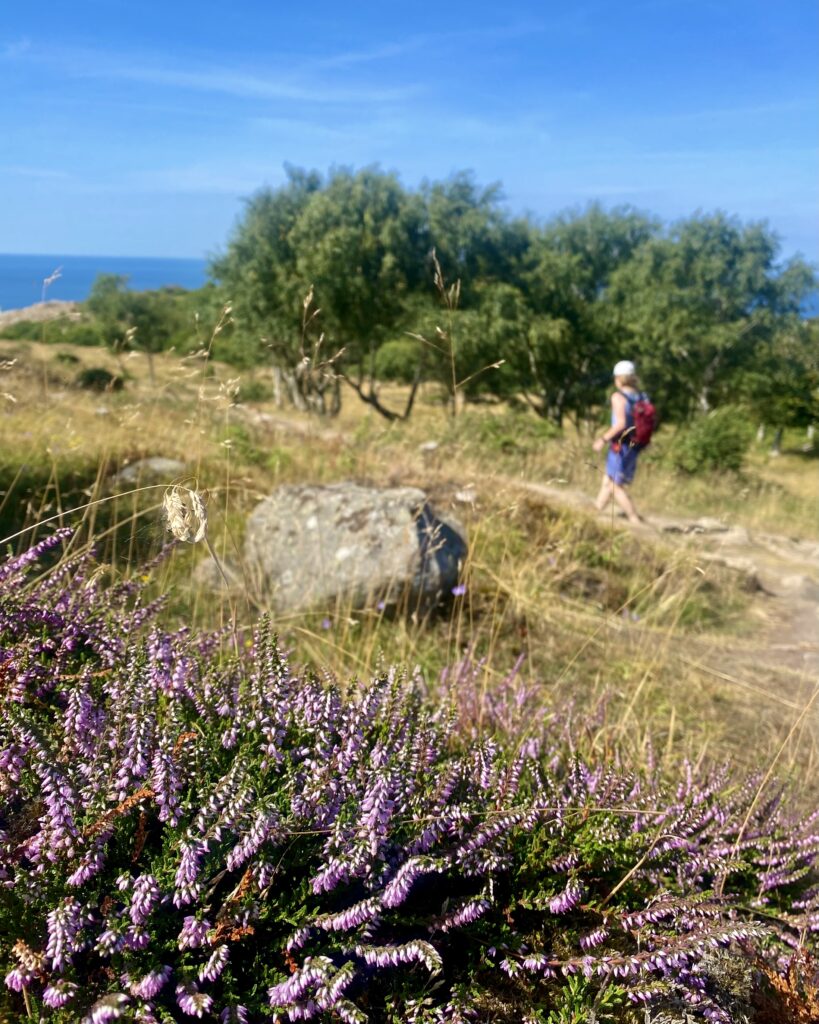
[[625, 368]]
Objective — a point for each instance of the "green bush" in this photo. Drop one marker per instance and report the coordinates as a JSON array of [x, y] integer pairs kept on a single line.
[[716, 441], [97, 378], [62, 330], [23, 330], [252, 390], [67, 358], [86, 334], [397, 360]]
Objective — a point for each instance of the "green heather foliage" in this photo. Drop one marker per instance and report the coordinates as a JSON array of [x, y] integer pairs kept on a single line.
[[194, 828], [718, 440]]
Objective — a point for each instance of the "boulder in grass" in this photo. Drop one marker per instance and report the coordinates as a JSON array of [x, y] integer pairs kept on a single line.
[[154, 470], [312, 545]]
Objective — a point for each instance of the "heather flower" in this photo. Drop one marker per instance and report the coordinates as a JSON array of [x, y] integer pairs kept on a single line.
[[467, 913], [260, 780], [567, 899], [151, 983], [233, 1015], [145, 896], [194, 932], [187, 874], [63, 925], [58, 993], [211, 970], [409, 952], [110, 1007], [19, 978], [192, 1002]]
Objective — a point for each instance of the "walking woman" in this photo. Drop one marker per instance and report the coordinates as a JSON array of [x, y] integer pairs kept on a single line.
[[621, 459]]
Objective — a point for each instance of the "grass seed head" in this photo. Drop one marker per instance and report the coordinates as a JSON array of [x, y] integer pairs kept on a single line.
[[185, 513]]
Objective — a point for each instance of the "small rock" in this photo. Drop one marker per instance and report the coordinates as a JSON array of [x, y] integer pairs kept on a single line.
[[152, 470], [707, 524], [428, 446]]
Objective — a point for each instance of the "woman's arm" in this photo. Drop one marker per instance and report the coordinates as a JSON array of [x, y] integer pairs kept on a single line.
[[618, 409]]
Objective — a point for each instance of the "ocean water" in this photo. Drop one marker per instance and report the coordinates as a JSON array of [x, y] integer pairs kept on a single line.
[[21, 277]]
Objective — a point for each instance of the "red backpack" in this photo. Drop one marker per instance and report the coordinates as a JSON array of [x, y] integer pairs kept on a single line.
[[644, 414]]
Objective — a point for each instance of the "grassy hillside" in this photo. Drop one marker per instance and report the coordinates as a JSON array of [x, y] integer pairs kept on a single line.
[[512, 806], [589, 606]]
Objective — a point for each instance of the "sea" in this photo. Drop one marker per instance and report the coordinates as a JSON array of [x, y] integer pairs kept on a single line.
[[27, 279]]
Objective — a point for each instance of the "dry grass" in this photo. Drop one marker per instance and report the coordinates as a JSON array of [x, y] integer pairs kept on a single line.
[[588, 608]]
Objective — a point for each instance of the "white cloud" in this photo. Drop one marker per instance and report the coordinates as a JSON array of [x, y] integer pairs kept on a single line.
[[294, 85]]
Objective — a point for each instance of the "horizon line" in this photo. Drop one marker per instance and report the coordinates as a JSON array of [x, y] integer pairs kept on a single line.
[[105, 256]]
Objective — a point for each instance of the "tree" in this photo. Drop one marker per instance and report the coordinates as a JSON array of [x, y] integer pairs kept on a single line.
[[700, 304], [134, 320], [356, 240], [258, 275], [567, 340]]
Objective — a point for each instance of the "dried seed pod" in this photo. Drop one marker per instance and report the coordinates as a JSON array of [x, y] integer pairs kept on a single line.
[[185, 513]]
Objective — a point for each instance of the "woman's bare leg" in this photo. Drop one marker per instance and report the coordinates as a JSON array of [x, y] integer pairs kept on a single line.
[[604, 496], [623, 499]]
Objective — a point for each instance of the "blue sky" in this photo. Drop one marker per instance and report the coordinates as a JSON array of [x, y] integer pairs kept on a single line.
[[136, 128]]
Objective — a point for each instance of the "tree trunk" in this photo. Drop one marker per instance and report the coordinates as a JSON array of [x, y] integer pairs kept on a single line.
[[776, 447], [278, 399], [292, 385]]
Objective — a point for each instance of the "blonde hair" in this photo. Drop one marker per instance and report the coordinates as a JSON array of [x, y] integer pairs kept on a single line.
[[629, 380]]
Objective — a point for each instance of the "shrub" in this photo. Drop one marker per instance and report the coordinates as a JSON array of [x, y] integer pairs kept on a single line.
[[60, 330], [86, 334], [67, 358], [97, 378], [716, 441], [186, 833], [254, 390], [23, 330], [397, 360]]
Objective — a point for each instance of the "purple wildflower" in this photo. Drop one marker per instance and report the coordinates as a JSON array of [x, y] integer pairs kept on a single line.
[[58, 993], [193, 1002], [194, 932], [568, 899], [151, 983]]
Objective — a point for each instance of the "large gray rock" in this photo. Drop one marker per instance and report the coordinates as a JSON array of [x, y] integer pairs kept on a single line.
[[310, 545]]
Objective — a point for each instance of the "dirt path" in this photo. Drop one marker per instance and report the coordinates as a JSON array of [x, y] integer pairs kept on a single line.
[[769, 675], [782, 572]]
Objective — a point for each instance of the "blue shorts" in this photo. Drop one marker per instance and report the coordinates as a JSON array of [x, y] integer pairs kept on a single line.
[[621, 466]]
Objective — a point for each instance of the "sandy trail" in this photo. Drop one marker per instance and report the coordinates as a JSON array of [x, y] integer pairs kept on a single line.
[[773, 673]]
